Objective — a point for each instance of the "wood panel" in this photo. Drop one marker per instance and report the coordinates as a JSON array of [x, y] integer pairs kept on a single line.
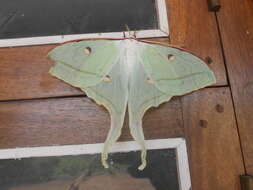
[[194, 28], [75, 121], [213, 142], [236, 26]]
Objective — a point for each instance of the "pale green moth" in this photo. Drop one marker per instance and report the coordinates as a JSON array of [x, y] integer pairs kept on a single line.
[[129, 73]]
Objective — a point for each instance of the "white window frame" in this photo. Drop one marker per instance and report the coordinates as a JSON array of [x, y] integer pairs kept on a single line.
[[162, 31], [178, 144]]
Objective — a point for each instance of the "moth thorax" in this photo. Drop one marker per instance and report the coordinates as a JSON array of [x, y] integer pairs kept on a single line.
[[131, 53]]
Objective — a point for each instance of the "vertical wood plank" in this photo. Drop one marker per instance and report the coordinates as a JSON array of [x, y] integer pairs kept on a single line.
[[236, 27], [194, 28], [213, 142]]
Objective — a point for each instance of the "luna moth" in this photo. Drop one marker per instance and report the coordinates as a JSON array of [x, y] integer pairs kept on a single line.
[[131, 74]]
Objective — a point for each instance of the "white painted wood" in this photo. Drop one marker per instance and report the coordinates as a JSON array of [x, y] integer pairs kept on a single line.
[[162, 31], [46, 151], [162, 16], [183, 166]]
